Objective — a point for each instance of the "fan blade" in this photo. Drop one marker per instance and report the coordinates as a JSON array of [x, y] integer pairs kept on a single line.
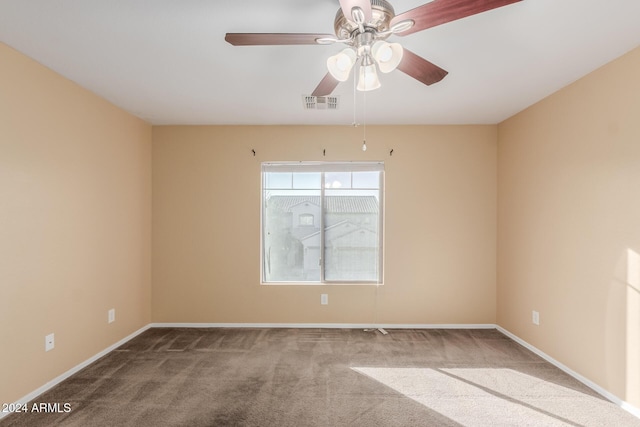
[[326, 86], [348, 5], [420, 69], [442, 11], [263, 39]]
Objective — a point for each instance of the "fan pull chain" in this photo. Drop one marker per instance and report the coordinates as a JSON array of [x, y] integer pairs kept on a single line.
[[355, 123], [364, 114]]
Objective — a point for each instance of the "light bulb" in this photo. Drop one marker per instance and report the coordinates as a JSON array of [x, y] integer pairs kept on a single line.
[[343, 63], [364, 145], [385, 53]]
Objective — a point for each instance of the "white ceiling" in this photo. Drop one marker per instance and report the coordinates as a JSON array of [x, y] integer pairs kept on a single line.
[[166, 61]]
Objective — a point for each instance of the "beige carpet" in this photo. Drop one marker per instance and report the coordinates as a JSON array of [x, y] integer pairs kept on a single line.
[[323, 377]]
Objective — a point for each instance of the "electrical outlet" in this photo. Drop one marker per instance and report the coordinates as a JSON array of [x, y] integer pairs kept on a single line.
[[49, 342], [111, 315], [535, 317], [324, 299]]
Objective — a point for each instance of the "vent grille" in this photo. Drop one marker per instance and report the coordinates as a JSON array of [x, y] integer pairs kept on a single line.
[[320, 102]]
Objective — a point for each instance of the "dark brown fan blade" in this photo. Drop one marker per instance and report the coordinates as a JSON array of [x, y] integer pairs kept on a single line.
[[420, 69], [326, 86], [347, 5], [262, 39], [442, 11]]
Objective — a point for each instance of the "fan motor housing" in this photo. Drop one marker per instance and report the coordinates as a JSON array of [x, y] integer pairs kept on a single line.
[[381, 15]]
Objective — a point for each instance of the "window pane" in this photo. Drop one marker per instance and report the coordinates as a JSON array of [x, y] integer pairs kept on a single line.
[[291, 238], [306, 219], [277, 180], [352, 239], [337, 180], [306, 180], [366, 179]]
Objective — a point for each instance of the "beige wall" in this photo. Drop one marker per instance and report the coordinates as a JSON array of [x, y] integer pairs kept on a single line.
[[75, 212], [440, 224], [569, 226]]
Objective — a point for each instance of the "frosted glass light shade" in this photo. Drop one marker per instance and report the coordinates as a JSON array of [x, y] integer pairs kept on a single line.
[[368, 78], [340, 65], [387, 55]]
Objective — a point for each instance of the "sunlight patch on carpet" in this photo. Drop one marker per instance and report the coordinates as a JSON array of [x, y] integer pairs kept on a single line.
[[493, 396]]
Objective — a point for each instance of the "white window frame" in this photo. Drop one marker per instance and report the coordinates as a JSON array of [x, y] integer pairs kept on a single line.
[[324, 167]]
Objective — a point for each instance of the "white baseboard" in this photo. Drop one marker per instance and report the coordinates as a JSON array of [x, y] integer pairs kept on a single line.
[[325, 325], [615, 399], [64, 376]]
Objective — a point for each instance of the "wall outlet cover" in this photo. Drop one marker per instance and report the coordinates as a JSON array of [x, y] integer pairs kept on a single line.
[[49, 342]]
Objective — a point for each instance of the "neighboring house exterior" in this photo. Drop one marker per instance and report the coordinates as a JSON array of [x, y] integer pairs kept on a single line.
[[292, 238]]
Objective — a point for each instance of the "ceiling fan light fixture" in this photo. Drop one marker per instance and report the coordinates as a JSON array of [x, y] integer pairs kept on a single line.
[[340, 65], [360, 24], [368, 77], [387, 55]]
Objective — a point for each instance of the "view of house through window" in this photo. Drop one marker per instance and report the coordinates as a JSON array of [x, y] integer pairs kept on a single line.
[[322, 222]]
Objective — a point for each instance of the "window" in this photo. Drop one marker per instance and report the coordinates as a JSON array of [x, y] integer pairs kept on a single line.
[[305, 219], [322, 222]]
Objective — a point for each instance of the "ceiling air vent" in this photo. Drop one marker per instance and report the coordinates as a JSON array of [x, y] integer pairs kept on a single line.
[[320, 102]]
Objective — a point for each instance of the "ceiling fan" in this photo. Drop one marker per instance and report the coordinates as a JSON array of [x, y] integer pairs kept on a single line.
[[364, 26]]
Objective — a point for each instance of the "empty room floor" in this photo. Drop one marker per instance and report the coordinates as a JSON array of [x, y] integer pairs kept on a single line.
[[322, 377]]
